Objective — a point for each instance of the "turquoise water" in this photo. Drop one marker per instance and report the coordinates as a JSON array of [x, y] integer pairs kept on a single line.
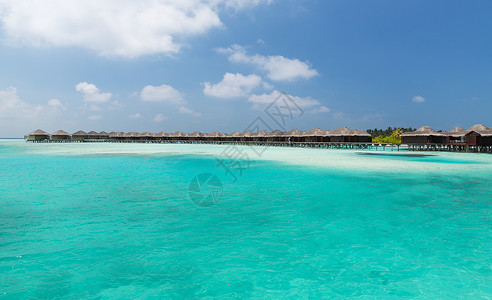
[[116, 221]]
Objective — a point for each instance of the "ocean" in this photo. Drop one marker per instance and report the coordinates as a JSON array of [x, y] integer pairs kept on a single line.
[[179, 221]]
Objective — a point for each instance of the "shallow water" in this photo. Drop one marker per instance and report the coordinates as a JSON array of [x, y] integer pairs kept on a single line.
[[116, 221]]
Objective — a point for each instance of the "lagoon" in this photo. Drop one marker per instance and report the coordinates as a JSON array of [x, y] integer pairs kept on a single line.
[[119, 221]]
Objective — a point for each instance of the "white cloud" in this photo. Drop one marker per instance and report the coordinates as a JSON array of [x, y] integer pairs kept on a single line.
[[113, 27], [91, 93], [269, 98], [56, 104], [232, 86], [418, 99], [278, 68], [18, 117], [167, 94], [260, 101], [239, 4], [163, 93], [267, 86], [186, 110], [115, 105], [12, 107], [94, 107], [321, 109], [95, 117], [159, 118], [135, 116]]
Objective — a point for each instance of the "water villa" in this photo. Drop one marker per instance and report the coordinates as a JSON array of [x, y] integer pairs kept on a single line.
[[38, 135], [477, 138], [60, 136]]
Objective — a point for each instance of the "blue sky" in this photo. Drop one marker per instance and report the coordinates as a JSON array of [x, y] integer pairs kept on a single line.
[[216, 65]]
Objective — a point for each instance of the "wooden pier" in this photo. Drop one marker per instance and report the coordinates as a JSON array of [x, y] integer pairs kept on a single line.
[[451, 148]]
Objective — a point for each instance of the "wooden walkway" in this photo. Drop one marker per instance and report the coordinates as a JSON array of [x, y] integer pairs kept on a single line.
[[450, 148]]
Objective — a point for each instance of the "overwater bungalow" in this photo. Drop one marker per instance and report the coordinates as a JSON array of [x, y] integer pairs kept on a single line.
[[259, 136], [276, 136], [60, 135], [117, 136], [146, 136], [104, 135], [177, 136], [195, 136], [479, 135], [294, 135], [267, 137], [360, 136], [38, 135], [423, 135], [456, 136], [235, 136], [162, 136], [248, 136], [346, 135], [92, 135], [315, 135], [79, 136], [213, 136]]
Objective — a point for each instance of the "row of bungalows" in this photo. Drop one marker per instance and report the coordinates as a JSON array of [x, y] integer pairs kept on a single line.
[[316, 135], [63, 136], [477, 135]]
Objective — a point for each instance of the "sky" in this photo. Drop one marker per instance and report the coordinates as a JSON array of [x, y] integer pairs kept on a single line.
[[207, 65]]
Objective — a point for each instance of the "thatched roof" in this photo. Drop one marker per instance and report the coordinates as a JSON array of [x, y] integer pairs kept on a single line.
[[236, 134], [177, 134], [103, 133], [422, 131], [457, 131], [315, 132], [80, 132], [342, 131], [360, 132], [39, 132], [161, 134], [60, 133], [276, 132], [261, 133], [249, 134], [196, 134], [93, 133], [294, 132], [481, 129], [214, 134], [478, 128]]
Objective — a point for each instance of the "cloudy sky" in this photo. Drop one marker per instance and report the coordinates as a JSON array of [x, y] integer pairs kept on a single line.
[[153, 65]]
